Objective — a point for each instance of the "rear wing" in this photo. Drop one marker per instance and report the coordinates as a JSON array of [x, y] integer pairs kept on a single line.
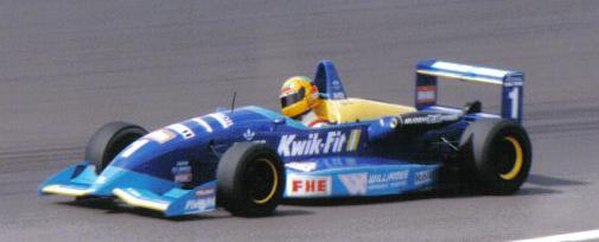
[[511, 83]]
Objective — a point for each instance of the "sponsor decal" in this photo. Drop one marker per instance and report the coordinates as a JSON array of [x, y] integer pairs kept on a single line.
[[426, 94], [302, 166], [182, 130], [336, 83], [199, 204], [182, 172], [514, 81], [430, 119], [361, 183], [205, 192], [223, 119], [356, 184], [308, 186], [335, 142], [387, 180], [161, 136], [423, 177], [338, 95], [134, 147], [388, 177], [249, 135]]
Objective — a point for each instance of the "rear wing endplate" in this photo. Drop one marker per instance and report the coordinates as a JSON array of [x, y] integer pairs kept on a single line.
[[511, 82]]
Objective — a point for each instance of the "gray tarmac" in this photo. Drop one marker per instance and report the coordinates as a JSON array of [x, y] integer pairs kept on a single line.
[[69, 66]]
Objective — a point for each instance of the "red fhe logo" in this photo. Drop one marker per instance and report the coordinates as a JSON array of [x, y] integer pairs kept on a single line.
[[305, 186]]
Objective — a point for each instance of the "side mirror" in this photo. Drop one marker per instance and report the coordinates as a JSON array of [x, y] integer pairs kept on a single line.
[[382, 129], [280, 121], [473, 107]]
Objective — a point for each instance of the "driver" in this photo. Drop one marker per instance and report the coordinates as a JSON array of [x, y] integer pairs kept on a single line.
[[299, 96]]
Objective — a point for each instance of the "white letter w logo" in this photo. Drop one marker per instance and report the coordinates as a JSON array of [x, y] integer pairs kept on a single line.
[[356, 184]]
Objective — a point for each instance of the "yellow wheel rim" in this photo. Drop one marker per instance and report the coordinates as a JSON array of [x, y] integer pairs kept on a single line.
[[275, 182], [517, 163]]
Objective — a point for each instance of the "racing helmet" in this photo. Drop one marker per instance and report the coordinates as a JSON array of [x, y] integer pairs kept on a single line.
[[298, 96]]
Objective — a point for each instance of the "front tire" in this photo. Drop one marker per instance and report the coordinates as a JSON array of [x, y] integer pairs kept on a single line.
[[250, 180], [497, 155], [109, 140]]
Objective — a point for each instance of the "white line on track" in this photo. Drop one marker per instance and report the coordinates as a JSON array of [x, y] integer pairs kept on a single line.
[[577, 236]]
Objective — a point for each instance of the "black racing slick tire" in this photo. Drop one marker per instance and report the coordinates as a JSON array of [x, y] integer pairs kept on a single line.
[[250, 180], [497, 155], [109, 140]]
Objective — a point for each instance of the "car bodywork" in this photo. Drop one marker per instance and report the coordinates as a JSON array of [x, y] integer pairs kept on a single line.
[[374, 148]]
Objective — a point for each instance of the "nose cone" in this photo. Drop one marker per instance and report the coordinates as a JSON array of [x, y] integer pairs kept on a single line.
[[171, 154], [149, 161]]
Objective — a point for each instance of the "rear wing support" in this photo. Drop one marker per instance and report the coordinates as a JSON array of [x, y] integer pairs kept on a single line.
[[511, 82]]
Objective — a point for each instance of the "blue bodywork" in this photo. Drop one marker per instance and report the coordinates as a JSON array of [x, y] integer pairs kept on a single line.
[[173, 169]]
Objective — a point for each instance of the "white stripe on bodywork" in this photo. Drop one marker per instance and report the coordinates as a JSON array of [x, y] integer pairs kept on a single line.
[[133, 198], [466, 69], [65, 190], [461, 77], [203, 123], [134, 147]]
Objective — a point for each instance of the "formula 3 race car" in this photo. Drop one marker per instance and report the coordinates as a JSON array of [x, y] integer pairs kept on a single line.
[[248, 159]]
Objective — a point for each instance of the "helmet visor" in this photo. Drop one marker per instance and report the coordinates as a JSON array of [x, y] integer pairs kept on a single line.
[[292, 98]]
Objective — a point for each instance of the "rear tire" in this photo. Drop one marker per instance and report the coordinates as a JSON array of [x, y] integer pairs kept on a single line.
[[109, 140], [497, 155], [250, 180]]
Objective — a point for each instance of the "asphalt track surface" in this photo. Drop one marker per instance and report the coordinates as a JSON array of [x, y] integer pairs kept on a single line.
[[69, 66]]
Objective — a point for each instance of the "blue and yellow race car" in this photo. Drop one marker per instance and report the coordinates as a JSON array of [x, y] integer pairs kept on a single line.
[[248, 159]]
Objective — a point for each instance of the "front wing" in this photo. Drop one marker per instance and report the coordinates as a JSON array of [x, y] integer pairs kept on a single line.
[[132, 188]]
